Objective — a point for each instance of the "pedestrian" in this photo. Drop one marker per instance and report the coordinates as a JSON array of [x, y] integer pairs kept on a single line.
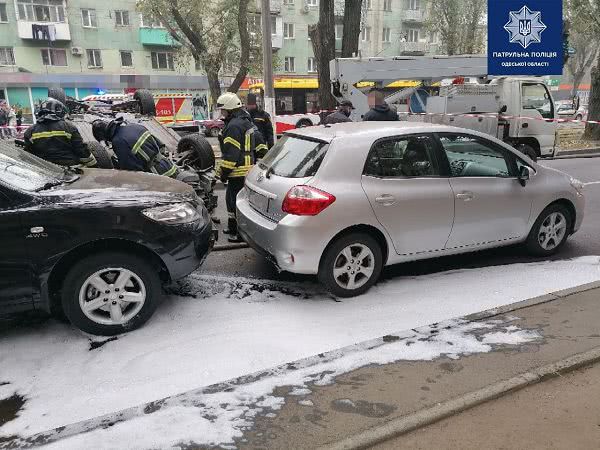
[[55, 139], [341, 115], [262, 120], [238, 141], [380, 110], [135, 147]]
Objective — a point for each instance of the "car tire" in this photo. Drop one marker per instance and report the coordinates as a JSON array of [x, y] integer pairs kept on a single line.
[[578, 117], [78, 286], [145, 101], [555, 219], [338, 256], [58, 94], [205, 155], [527, 150], [303, 123], [100, 152], [214, 132]]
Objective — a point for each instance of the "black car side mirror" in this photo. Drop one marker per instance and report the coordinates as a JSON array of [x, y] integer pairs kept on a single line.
[[503, 109], [524, 175]]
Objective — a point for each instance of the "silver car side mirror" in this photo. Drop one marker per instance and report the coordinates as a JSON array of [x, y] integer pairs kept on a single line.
[[524, 175]]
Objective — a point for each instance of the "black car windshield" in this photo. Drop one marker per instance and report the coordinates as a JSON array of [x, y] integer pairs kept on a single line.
[[293, 157], [27, 172]]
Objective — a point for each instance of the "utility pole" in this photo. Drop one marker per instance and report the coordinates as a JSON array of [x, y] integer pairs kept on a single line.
[[267, 50]]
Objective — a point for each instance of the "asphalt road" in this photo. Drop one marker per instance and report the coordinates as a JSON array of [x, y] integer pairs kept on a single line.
[[246, 262]]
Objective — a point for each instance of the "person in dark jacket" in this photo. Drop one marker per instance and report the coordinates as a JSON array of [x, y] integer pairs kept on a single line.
[[261, 119], [239, 141], [135, 147], [341, 115], [380, 110], [55, 139]]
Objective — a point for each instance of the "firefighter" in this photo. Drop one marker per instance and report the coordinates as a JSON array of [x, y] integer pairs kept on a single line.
[[239, 142], [262, 120], [135, 147], [55, 139]]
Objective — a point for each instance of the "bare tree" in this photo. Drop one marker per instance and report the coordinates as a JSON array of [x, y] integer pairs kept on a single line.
[[458, 23], [322, 36], [352, 27], [586, 49], [210, 32]]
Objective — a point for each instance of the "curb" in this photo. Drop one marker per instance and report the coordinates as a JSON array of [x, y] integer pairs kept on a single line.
[[591, 152], [219, 248], [456, 405]]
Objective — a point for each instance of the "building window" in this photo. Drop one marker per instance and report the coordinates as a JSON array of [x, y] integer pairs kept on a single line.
[[88, 18], [386, 36], [41, 10], [126, 58], [273, 25], [7, 56], [54, 57], [3, 15], [288, 31], [150, 22], [387, 5], [122, 18], [414, 4], [369, 5], [94, 58], [412, 35], [365, 36], [312, 2], [339, 31], [162, 60], [289, 64], [311, 65], [288, 2]]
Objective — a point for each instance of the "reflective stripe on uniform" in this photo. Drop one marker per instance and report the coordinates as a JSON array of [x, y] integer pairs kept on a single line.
[[262, 147], [227, 164], [258, 119], [137, 148], [240, 171], [232, 141], [49, 134], [171, 171], [88, 162]]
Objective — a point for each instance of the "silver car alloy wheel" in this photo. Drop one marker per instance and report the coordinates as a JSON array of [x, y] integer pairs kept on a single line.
[[552, 231], [353, 266], [112, 296]]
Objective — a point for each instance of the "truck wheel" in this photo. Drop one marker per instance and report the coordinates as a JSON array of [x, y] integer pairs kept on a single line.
[[528, 150], [203, 151], [578, 117], [351, 265], [145, 100], [302, 123], [100, 152], [110, 293], [550, 231], [58, 94]]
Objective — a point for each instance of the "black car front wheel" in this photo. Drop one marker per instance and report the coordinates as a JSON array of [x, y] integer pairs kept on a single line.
[[110, 293]]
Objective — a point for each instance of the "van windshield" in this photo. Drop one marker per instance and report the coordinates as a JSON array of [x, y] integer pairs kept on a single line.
[[293, 157]]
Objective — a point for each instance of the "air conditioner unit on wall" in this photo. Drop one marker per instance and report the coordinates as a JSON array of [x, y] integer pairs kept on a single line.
[[305, 9], [77, 51]]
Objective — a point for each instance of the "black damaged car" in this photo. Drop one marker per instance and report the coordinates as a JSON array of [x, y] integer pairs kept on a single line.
[[95, 245]]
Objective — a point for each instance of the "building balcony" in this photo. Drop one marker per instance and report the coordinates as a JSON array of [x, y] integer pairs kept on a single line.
[[414, 47], [43, 31], [157, 37], [413, 15], [277, 41]]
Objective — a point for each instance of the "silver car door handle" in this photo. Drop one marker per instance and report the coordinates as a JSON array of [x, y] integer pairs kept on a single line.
[[386, 199], [466, 196]]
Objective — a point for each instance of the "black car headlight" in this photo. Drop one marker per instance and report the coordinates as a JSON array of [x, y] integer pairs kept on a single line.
[[174, 214]]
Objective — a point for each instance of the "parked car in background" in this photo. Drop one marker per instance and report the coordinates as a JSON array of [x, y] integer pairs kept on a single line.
[[211, 127], [567, 111], [343, 201], [95, 244]]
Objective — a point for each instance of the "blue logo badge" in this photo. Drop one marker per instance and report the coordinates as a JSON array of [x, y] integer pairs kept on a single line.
[[525, 26]]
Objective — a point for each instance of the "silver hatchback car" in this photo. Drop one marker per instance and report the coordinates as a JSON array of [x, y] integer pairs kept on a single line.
[[342, 201]]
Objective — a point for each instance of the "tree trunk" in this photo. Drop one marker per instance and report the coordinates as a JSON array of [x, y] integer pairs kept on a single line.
[[213, 85], [351, 33], [323, 41], [592, 131], [476, 10], [244, 46], [577, 78]]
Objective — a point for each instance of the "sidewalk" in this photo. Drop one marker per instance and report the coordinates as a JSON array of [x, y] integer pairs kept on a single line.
[[563, 413]]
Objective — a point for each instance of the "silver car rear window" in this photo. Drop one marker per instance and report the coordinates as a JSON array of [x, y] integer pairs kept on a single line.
[[293, 157]]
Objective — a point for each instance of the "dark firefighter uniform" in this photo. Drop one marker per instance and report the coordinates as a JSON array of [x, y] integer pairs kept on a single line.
[[262, 120], [135, 147], [241, 145], [59, 142]]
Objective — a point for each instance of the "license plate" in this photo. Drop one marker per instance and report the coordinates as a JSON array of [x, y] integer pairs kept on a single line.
[[258, 201]]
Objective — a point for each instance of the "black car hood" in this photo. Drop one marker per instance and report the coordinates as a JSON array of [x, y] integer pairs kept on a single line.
[[118, 186]]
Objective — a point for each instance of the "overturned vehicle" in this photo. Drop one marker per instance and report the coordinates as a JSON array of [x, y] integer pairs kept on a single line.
[[192, 153]]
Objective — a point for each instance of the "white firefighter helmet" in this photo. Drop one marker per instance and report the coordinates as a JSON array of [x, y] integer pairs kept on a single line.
[[229, 101]]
